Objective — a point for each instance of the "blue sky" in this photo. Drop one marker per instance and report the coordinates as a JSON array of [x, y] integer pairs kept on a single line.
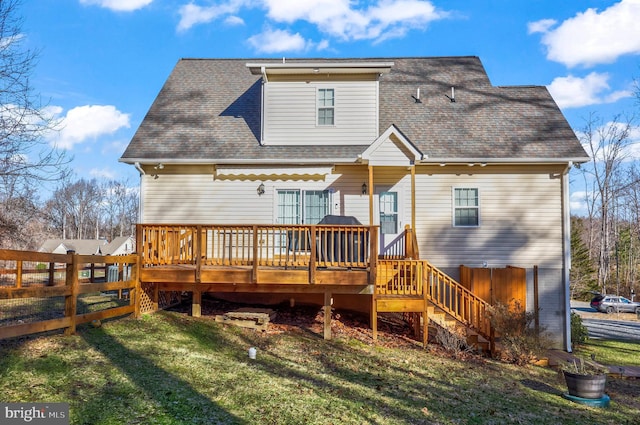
[[102, 62]]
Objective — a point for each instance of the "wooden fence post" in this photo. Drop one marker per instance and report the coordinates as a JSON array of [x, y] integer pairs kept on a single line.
[[52, 271], [19, 274], [137, 288], [71, 300]]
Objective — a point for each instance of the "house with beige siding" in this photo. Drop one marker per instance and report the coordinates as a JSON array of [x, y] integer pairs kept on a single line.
[[476, 174]]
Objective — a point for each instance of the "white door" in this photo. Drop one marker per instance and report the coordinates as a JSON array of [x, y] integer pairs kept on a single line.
[[388, 216]]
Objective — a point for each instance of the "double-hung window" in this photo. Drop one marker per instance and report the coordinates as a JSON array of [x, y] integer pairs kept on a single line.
[[326, 107], [466, 207]]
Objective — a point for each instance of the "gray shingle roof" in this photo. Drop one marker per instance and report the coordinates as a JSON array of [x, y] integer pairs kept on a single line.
[[209, 109]]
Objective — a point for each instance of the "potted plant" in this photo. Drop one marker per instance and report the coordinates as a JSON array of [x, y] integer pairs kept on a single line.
[[585, 379]]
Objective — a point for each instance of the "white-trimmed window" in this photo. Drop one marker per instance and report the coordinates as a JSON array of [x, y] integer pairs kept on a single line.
[[466, 207], [326, 107], [297, 206]]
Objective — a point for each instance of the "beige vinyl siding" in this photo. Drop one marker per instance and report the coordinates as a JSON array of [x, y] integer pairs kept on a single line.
[[520, 220], [290, 113], [390, 154], [199, 199]]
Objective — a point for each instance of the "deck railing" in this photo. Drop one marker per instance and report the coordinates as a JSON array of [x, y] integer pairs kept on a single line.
[[400, 277], [263, 245], [456, 300]]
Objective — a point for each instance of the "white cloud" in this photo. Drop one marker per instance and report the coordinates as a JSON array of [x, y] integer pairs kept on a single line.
[[119, 5], [103, 173], [191, 14], [593, 37], [234, 20], [578, 202], [339, 19], [543, 26], [275, 41], [88, 122], [575, 92]]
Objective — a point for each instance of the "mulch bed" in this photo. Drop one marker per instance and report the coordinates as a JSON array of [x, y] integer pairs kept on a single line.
[[392, 330]]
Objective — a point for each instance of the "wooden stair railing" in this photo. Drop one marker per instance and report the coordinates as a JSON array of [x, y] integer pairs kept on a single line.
[[414, 287], [457, 301]]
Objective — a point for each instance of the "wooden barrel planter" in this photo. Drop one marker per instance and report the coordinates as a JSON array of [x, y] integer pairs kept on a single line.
[[585, 386]]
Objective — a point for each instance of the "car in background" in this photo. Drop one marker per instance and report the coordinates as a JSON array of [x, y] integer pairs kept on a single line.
[[614, 303]]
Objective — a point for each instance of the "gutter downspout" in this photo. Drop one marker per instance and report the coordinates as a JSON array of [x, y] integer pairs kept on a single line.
[[139, 168], [265, 80], [142, 173], [566, 248]]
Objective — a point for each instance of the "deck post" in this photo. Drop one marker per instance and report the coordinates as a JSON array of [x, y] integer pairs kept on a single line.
[[196, 306], [327, 315], [314, 255], [254, 269], [373, 256], [137, 289], [425, 313], [374, 315]]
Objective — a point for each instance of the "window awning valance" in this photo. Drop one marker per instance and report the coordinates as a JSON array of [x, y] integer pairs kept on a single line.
[[264, 172]]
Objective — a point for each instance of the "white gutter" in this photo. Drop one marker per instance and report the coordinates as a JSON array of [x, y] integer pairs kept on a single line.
[[139, 168], [350, 160], [566, 249], [465, 161]]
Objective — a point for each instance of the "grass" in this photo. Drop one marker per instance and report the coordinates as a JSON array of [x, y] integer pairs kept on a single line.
[[618, 353], [169, 368]]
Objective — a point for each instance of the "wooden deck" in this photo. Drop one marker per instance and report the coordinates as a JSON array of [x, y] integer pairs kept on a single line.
[[318, 261], [303, 259]]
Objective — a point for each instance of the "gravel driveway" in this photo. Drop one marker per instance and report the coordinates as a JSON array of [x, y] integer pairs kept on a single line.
[[624, 326]]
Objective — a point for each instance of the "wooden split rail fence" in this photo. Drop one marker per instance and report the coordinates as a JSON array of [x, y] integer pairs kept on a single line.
[[42, 292]]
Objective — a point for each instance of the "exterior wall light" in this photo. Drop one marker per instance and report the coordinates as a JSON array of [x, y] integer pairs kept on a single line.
[[364, 189], [260, 189]]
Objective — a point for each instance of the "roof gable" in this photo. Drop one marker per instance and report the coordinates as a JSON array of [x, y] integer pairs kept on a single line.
[[391, 148]]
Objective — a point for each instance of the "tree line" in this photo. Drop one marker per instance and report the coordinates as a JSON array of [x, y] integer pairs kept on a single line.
[[605, 242], [76, 209]]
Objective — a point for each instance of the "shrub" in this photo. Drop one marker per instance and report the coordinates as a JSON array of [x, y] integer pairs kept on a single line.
[[579, 332], [453, 341], [519, 340]]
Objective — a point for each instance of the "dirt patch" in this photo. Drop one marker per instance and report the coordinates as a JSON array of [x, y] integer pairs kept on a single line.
[[392, 330]]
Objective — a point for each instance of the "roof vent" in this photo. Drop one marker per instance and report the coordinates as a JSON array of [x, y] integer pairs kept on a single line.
[[417, 96], [452, 98]]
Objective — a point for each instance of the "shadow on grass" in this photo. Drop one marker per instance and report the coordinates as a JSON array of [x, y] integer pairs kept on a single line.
[[540, 386], [173, 400]]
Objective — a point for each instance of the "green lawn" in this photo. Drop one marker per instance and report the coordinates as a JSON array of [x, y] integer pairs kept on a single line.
[[618, 353], [169, 368]]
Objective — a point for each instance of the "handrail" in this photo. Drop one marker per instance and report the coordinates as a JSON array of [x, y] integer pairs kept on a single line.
[[400, 277], [456, 300], [256, 245]]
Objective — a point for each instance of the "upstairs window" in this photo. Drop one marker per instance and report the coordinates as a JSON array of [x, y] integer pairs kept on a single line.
[[326, 103], [466, 207]]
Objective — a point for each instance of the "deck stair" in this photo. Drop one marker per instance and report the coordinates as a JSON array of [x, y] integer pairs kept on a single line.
[[424, 293], [448, 323]]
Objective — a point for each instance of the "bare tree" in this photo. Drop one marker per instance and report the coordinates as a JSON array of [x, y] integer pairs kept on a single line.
[[607, 145], [26, 159], [120, 208]]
